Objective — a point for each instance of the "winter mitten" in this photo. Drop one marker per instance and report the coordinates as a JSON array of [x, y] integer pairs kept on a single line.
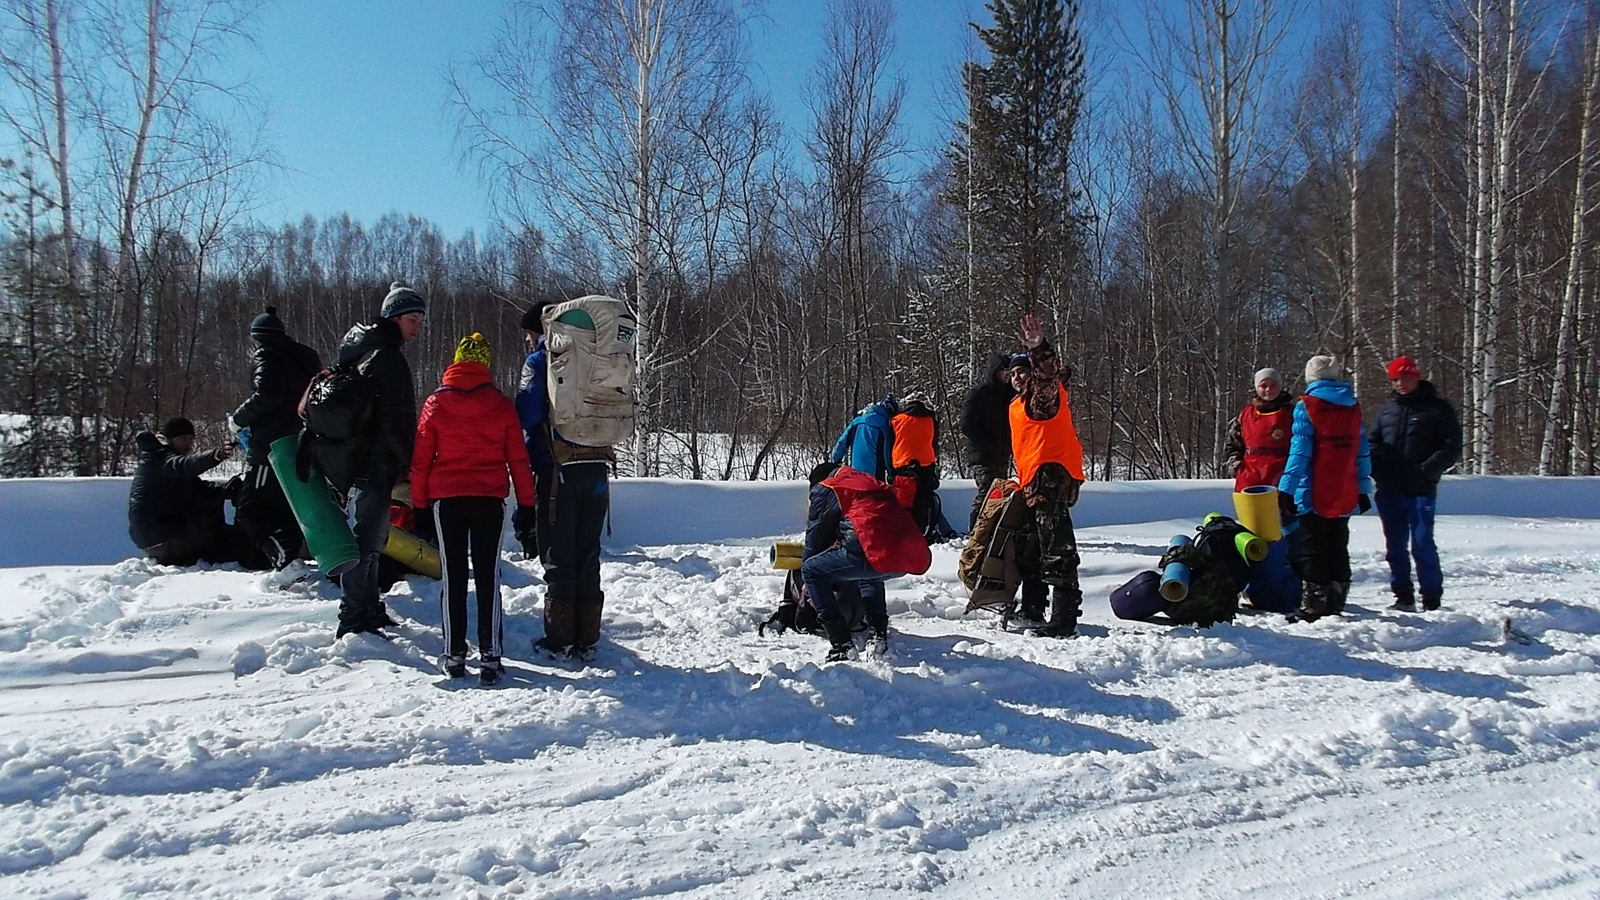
[[1364, 503]]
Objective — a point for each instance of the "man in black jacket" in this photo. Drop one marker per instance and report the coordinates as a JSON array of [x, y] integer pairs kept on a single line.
[[986, 425], [1415, 440], [283, 369], [174, 515], [381, 467]]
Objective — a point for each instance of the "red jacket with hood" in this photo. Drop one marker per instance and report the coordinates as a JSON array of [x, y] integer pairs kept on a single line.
[[468, 441]]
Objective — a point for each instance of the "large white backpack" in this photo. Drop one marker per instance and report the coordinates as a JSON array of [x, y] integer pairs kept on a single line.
[[589, 343]]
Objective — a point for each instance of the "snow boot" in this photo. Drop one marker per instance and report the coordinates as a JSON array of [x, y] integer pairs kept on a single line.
[[1035, 596], [490, 671], [1430, 602], [842, 645], [877, 636], [1315, 602], [586, 632], [454, 666], [1404, 600], [1064, 606], [560, 625], [1337, 592]]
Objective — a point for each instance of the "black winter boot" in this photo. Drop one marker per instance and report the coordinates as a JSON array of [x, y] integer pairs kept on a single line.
[[587, 633], [878, 635], [1315, 602], [490, 671], [1035, 596], [1404, 600], [1336, 597], [838, 631], [1430, 602], [1064, 605], [560, 625]]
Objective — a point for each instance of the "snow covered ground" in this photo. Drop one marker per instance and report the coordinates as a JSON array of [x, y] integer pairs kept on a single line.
[[200, 733]]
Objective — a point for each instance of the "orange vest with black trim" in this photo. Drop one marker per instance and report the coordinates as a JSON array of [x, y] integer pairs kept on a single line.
[[1034, 443], [913, 440]]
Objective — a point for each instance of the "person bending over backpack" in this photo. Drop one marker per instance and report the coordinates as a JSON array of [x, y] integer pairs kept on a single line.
[[468, 442], [1049, 460], [174, 515], [842, 585], [379, 463]]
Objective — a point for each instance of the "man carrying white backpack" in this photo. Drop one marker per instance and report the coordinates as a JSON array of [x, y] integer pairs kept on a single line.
[[587, 380]]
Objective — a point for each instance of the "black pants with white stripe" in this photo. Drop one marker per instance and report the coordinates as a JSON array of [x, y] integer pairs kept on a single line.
[[477, 521]]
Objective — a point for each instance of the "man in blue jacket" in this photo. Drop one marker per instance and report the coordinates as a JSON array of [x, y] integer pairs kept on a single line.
[[1328, 477], [1415, 439]]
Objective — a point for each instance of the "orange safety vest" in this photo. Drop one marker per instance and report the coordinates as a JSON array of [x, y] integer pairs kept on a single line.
[[1035, 443], [913, 440]]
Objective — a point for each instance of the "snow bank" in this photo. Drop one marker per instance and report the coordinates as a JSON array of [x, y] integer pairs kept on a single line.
[[83, 521]]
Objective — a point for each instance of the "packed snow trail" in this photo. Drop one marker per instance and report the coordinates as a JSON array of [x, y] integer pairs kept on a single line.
[[200, 733]]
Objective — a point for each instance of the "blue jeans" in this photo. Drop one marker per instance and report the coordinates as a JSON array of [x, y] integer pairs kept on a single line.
[[1409, 517], [838, 568]]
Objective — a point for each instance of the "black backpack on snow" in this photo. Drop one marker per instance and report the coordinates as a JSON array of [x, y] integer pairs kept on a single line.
[[793, 612], [1217, 573]]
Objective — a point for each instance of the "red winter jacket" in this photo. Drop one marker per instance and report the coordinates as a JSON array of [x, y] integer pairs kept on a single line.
[[468, 439]]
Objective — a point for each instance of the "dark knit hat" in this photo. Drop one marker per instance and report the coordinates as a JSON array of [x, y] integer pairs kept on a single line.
[[822, 472], [533, 319], [1019, 360], [401, 300], [266, 324], [177, 426]]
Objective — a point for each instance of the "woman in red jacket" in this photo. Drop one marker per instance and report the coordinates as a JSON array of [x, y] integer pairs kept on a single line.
[[468, 442]]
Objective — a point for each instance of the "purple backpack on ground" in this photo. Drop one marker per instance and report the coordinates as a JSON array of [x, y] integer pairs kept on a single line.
[[1140, 598]]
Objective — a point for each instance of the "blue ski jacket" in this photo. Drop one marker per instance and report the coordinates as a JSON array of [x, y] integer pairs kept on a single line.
[[1298, 474], [867, 444]]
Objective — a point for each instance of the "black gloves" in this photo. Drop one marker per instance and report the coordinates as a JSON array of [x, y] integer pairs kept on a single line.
[[1364, 503]]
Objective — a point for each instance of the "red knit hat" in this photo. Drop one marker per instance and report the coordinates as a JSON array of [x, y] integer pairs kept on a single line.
[[1402, 366]]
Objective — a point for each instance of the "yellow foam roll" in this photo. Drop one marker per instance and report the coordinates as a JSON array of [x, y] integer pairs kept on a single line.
[[786, 554], [1257, 509], [413, 552]]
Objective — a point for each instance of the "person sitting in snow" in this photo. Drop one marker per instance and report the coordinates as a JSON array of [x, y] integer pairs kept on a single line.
[[175, 516], [1328, 477], [841, 584]]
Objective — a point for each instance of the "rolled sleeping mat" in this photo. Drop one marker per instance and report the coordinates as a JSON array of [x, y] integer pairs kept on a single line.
[[327, 533], [1175, 577], [413, 552], [1257, 509], [786, 554], [1251, 547]]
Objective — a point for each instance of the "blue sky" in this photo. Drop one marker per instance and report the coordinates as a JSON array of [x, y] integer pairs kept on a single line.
[[357, 101]]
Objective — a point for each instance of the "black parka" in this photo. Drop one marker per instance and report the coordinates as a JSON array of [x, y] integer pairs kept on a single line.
[[1415, 439], [166, 490], [986, 419], [283, 369], [393, 425]]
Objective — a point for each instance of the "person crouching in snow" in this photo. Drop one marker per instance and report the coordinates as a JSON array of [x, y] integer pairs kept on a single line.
[[175, 516], [1049, 460], [469, 442], [857, 537], [1328, 477]]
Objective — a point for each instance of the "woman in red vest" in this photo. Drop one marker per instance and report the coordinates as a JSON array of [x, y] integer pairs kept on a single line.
[[1327, 479], [1049, 461], [469, 446], [1257, 448]]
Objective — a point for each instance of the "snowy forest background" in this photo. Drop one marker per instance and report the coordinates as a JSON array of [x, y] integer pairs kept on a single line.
[[1186, 191]]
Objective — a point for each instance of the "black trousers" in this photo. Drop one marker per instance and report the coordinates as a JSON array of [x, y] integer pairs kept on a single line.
[[262, 512], [985, 477], [470, 525], [1325, 550], [572, 554]]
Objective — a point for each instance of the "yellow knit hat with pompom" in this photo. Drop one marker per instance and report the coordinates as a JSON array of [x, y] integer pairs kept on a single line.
[[473, 348]]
